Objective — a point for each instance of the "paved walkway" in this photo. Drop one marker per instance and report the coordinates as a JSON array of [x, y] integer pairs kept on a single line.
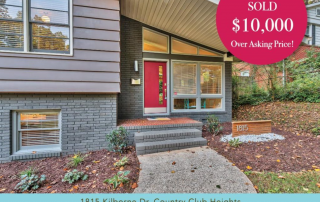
[[196, 170]]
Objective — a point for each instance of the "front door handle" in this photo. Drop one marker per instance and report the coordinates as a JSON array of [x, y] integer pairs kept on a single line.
[[165, 94]]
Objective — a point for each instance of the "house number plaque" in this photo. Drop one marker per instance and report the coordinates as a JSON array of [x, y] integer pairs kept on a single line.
[[250, 127]]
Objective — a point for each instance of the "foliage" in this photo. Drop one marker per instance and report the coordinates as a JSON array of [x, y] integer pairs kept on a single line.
[[74, 176], [316, 131], [119, 178], [234, 142], [76, 160], [303, 82], [30, 182], [303, 182], [121, 162], [29, 172], [214, 125], [118, 139]]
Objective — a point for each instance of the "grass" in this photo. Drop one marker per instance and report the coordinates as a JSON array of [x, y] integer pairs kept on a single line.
[[303, 182]]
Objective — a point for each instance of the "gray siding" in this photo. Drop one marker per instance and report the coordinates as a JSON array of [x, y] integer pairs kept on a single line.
[[94, 67], [130, 100], [86, 119]]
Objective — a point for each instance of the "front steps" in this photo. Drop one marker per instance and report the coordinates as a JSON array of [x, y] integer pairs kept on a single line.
[[167, 140]]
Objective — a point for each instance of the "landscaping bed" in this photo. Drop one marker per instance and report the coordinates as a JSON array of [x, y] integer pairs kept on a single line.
[[294, 154], [98, 165]]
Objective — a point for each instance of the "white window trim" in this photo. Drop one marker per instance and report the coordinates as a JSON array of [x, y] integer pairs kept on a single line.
[[198, 95], [27, 33], [30, 149], [151, 30]]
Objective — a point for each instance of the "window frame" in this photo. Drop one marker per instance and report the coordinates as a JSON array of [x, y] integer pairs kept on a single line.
[[151, 30], [16, 145], [198, 96], [27, 34]]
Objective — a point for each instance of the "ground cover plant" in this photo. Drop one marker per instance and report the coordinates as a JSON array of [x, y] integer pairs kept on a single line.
[[118, 179], [98, 165], [301, 182], [74, 176], [76, 160]]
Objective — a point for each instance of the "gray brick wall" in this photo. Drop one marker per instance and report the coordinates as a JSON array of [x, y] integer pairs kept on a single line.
[[131, 97], [86, 119], [130, 102]]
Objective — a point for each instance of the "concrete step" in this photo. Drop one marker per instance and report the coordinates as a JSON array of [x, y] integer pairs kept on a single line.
[[169, 145], [153, 136]]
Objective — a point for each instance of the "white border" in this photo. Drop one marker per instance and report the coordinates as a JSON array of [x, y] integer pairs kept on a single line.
[[26, 32]]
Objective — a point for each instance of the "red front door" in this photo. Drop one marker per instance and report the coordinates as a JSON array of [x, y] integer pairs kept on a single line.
[[155, 87]]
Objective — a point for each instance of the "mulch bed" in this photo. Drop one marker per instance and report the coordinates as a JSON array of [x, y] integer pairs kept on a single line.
[[295, 153], [97, 165]]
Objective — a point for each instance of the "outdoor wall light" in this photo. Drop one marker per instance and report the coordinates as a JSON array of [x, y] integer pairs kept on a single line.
[[136, 66]]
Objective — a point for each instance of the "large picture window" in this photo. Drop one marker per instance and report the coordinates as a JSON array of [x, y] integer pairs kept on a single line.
[[197, 86], [36, 130], [36, 26]]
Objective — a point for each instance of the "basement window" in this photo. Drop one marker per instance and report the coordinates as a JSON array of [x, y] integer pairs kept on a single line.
[[36, 131]]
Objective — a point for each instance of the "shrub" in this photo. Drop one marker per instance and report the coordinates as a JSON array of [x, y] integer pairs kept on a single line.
[[214, 125], [121, 162], [76, 160], [30, 182], [74, 176], [119, 178], [118, 139], [235, 142], [29, 172]]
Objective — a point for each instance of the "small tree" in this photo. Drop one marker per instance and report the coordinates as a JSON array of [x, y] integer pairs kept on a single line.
[[118, 139]]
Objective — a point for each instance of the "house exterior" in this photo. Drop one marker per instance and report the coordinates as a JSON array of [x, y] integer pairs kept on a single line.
[[312, 36], [70, 69]]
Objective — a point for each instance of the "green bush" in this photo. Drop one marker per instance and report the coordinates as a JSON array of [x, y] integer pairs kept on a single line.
[[30, 182], [121, 162], [76, 160], [119, 178], [74, 176], [235, 142], [214, 125], [118, 140]]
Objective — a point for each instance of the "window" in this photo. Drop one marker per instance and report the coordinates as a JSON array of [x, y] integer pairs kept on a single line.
[[308, 31], [204, 52], [197, 86], [185, 78], [155, 42], [34, 130], [47, 26], [211, 79], [245, 73], [318, 11], [11, 25], [179, 47]]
